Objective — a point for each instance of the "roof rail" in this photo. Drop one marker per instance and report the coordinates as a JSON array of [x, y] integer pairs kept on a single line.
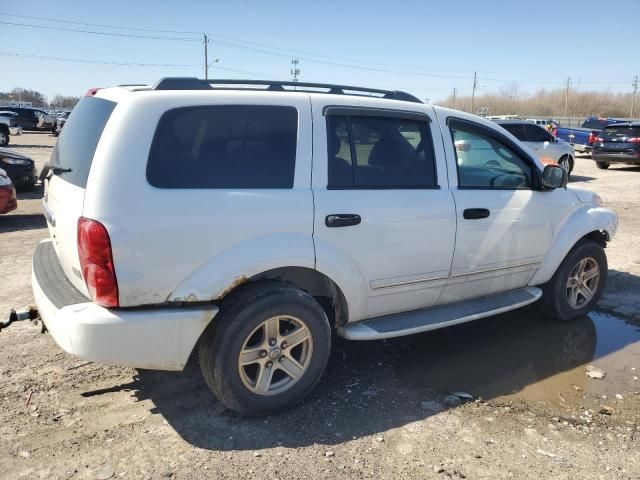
[[192, 83]]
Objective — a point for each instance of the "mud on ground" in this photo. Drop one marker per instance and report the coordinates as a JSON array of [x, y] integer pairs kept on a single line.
[[383, 409]]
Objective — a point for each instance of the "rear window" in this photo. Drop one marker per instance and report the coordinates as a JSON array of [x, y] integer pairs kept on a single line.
[[79, 138], [595, 124], [620, 133], [224, 146]]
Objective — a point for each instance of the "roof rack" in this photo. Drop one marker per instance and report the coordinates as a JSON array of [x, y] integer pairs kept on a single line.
[[192, 83]]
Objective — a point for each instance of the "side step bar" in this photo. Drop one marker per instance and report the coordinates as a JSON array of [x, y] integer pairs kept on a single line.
[[440, 316]]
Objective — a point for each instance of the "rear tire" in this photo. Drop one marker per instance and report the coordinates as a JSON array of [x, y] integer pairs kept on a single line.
[[244, 355], [602, 165], [578, 283]]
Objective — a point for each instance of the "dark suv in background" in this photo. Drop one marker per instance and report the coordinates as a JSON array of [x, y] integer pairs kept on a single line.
[[31, 118], [619, 143]]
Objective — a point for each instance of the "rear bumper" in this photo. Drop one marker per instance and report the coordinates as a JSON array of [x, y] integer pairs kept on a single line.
[[154, 338], [612, 157]]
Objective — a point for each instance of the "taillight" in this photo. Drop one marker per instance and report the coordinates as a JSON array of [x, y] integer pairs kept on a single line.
[[92, 91], [592, 138], [633, 140], [599, 139], [96, 262]]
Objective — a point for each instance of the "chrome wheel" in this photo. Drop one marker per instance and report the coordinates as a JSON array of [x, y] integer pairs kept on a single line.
[[583, 282], [4, 138], [275, 355]]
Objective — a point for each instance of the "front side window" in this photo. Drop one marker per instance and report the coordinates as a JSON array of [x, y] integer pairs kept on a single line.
[[485, 161], [379, 152], [224, 146]]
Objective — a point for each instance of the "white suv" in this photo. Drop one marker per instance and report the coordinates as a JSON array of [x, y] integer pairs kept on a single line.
[[253, 221]]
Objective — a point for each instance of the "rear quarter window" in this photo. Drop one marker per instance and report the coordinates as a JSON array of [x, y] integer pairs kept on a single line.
[[79, 138], [224, 146]]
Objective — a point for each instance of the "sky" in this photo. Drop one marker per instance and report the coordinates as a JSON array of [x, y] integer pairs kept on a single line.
[[424, 47]]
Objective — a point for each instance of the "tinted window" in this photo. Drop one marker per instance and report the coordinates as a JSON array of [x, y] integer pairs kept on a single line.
[[78, 141], [484, 161], [515, 129], [379, 152], [620, 133], [536, 134], [595, 124], [226, 146]]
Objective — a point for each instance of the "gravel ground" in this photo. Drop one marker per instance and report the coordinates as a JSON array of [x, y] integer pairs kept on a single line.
[[383, 409]]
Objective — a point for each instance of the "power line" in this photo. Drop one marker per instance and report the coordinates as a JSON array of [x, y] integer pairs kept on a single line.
[[108, 34], [125, 64], [635, 90], [255, 47]]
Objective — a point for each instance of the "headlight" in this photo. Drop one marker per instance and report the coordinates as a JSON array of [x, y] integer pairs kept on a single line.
[[4, 180], [14, 161]]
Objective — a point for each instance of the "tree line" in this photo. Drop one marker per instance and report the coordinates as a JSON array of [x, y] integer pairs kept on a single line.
[[37, 99], [547, 103]]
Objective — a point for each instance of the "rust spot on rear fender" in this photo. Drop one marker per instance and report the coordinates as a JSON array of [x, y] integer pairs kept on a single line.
[[236, 282]]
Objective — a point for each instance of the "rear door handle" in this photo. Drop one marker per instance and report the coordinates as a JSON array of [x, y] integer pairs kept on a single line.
[[476, 213], [342, 220]]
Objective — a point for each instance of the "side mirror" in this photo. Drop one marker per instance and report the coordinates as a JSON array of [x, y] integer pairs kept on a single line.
[[554, 176]]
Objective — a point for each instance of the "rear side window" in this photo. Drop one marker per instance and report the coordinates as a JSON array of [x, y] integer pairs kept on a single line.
[[535, 133], [515, 129], [379, 152], [224, 146], [79, 138], [595, 124]]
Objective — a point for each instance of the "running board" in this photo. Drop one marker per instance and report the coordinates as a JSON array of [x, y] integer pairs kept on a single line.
[[440, 316]]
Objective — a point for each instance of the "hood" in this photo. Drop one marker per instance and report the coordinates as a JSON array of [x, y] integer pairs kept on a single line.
[[7, 152], [586, 196]]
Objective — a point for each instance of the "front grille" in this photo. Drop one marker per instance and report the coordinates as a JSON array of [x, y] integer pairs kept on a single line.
[[51, 277]]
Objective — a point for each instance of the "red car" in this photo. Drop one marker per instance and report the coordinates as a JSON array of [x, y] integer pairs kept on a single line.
[[8, 200]]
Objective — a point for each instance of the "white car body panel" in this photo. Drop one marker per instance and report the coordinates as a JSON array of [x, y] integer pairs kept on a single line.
[[172, 247]]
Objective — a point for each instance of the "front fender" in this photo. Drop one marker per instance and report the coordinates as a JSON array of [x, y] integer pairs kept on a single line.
[[219, 275], [582, 221]]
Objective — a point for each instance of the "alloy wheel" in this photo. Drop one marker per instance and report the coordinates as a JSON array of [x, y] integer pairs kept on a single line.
[[583, 282]]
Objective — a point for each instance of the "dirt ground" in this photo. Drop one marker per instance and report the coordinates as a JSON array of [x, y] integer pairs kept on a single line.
[[383, 410]]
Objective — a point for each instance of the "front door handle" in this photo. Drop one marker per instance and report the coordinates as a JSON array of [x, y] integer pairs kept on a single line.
[[475, 213], [342, 220]]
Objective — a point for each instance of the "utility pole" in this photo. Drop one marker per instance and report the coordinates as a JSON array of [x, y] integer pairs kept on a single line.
[[454, 98], [295, 71], [206, 57], [473, 91], [635, 90], [566, 95]]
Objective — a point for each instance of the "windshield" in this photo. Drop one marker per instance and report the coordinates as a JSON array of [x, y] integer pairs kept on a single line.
[[80, 137]]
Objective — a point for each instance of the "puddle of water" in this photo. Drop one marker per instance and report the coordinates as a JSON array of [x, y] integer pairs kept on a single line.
[[524, 355]]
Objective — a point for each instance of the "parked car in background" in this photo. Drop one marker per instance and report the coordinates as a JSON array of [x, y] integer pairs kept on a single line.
[[550, 125], [8, 199], [542, 142], [31, 118], [61, 119], [8, 126], [584, 137], [619, 143], [20, 168], [251, 224]]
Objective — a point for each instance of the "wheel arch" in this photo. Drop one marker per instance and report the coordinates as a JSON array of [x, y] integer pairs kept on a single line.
[[587, 223]]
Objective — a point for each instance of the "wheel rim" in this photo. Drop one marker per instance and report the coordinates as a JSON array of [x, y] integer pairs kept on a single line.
[[583, 282], [275, 355], [3, 138], [564, 163]]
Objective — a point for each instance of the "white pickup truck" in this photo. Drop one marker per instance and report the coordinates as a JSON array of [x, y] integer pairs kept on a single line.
[[255, 219]]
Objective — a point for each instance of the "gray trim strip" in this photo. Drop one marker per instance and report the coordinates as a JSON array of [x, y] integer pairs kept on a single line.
[[510, 267], [408, 282]]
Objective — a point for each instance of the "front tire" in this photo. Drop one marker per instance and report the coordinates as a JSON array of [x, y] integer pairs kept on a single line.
[[4, 137], [578, 283], [266, 349], [602, 165], [566, 162]]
